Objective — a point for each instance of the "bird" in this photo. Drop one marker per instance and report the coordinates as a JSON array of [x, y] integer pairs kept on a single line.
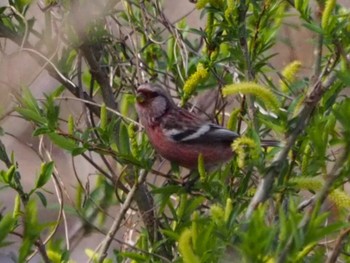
[[179, 135]]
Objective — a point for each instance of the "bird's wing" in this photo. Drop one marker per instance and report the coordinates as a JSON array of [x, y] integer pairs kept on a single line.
[[187, 128], [207, 133]]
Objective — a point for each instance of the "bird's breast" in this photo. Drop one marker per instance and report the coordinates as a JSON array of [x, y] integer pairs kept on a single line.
[[186, 154]]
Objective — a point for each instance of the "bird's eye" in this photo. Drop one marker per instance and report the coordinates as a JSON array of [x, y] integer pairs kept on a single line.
[[144, 96], [152, 94]]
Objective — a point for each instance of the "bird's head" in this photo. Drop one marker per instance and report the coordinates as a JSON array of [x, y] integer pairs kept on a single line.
[[152, 102]]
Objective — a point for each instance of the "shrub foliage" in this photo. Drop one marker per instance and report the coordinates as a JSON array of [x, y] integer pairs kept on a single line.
[[278, 204]]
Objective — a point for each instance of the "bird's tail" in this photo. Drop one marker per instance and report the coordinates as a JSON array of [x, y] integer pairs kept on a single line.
[[269, 143]]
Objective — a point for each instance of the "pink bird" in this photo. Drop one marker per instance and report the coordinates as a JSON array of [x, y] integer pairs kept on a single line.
[[180, 136]]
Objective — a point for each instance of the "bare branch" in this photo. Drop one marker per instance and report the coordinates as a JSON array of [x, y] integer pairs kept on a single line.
[[117, 222]]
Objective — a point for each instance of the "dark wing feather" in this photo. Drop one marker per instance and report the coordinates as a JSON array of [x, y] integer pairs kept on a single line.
[[193, 130]]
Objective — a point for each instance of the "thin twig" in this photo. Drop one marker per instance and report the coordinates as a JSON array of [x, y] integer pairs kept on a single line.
[[332, 257], [117, 222], [45, 155], [89, 102], [93, 163], [318, 57], [250, 75]]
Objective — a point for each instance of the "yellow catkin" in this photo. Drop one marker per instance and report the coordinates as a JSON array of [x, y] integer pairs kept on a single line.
[[252, 88], [310, 183], [185, 247], [328, 9], [289, 75], [337, 196], [192, 82], [218, 214], [340, 198], [240, 145], [201, 4]]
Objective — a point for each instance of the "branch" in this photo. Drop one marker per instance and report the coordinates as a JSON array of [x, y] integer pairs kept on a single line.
[[250, 75], [117, 222], [332, 257], [92, 53], [42, 60], [319, 199], [311, 101], [40, 246], [243, 38]]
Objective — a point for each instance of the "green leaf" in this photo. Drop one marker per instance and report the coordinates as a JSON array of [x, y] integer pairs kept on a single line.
[[197, 32], [66, 61], [31, 222], [93, 256], [22, 4], [103, 117], [134, 256], [8, 175], [31, 231], [25, 249], [7, 223], [123, 142], [31, 115], [2, 9], [78, 151], [51, 111], [41, 130], [54, 256], [29, 101], [169, 233], [62, 142], [314, 27], [42, 198], [57, 92], [45, 174]]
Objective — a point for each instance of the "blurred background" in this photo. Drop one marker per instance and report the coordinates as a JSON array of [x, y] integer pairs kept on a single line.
[[18, 70]]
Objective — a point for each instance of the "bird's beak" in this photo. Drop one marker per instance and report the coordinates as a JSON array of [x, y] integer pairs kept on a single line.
[[140, 97]]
